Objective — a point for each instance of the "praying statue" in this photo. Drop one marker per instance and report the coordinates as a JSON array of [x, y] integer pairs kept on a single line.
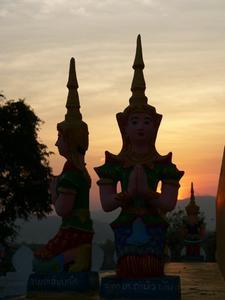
[[140, 229], [70, 249], [193, 229]]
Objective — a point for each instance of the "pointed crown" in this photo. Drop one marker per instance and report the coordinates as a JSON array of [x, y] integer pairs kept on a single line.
[[73, 103], [138, 84], [192, 208], [138, 102], [73, 128]]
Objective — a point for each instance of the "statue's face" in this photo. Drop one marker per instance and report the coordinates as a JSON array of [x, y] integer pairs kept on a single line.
[[62, 145], [140, 128]]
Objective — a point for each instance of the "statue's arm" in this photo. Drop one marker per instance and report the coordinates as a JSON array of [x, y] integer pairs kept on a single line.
[[52, 189], [108, 197], [202, 231], [64, 202], [167, 198], [109, 177]]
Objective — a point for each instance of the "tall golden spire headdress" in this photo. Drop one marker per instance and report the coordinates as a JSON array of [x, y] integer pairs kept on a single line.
[[138, 102], [73, 128]]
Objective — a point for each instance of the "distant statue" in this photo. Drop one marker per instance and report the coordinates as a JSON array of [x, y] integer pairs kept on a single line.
[[70, 249], [193, 228], [140, 229]]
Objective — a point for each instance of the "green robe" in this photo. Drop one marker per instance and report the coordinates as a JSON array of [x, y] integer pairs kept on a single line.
[[159, 170], [80, 216]]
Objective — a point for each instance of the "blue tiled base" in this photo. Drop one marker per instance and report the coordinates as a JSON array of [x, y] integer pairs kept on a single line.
[[157, 288], [64, 282]]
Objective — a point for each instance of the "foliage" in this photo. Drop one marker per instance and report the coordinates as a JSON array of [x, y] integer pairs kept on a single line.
[[24, 167]]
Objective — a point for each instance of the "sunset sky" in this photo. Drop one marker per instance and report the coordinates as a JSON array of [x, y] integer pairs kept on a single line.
[[184, 53]]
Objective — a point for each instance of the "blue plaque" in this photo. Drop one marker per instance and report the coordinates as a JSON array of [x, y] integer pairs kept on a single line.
[[157, 288], [64, 282]]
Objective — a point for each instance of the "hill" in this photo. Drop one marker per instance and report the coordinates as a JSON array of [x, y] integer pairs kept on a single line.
[[39, 232]]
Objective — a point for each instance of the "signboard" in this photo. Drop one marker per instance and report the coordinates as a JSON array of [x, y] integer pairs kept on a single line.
[[157, 288]]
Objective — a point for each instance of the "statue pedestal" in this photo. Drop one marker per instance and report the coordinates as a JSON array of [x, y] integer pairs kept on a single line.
[[190, 258], [156, 288], [193, 251], [62, 282]]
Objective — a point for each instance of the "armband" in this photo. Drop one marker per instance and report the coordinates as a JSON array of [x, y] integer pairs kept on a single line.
[[171, 182], [65, 191], [152, 194], [123, 198]]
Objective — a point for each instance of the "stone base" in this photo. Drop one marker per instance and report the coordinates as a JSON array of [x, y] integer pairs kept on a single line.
[[191, 258], [63, 282], [157, 288]]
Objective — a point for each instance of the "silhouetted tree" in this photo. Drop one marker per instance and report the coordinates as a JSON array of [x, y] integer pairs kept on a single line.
[[24, 167]]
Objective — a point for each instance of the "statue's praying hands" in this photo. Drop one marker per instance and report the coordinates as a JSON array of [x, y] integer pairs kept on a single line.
[[138, 183]]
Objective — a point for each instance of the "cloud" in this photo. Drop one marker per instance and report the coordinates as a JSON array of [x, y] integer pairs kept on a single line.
[[183, 44]]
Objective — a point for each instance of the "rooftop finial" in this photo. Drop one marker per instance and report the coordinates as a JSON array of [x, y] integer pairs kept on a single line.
[[192, 208], [192, 192], [72, 80], [138, 84], [73, 103], [138, 61], [74, 130]]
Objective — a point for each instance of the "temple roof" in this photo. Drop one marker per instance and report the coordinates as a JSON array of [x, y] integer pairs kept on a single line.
[[192, 208]]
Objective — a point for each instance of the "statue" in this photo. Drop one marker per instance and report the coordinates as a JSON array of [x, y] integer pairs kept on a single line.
[[194, 229], [70, 249], [140, 229], [220, 218]]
